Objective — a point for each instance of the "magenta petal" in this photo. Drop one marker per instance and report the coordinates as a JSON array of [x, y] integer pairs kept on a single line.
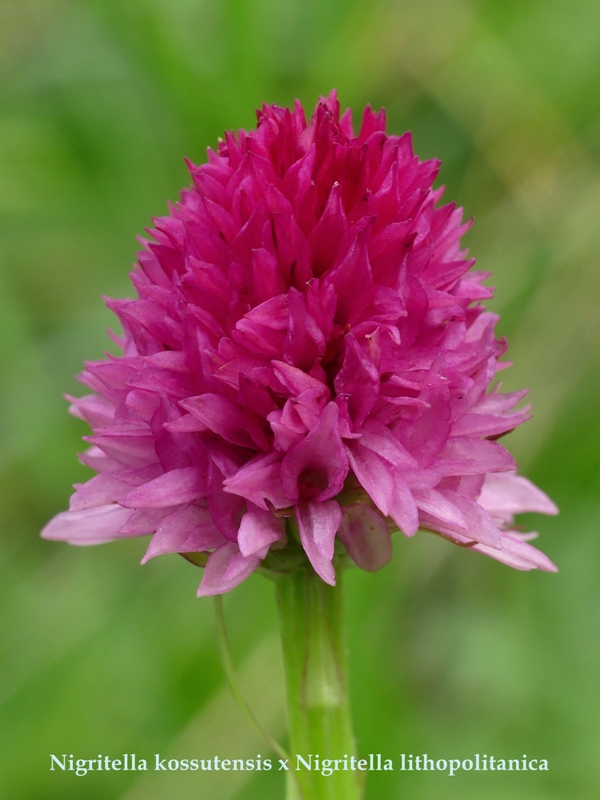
[[436, 504], [316, 467], [304, 342], [358, 379], [379, 439], [178, 486], [130, 448], [366, 537], [98, 491], [297, 381], [347, 277], [480, 455], [187, 530], [433, 426], [93, 409], [220, 415], [318, 523], [480, 525], [325, 237], [259, 529], [225, 569], [260, 482], [403, 509], [95, 459], [226, 509], [92, 526], [146, 520], [188, 423], [375, 475], [488, 424]]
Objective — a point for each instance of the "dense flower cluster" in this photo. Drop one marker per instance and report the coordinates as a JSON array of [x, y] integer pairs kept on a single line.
[[307, 364]]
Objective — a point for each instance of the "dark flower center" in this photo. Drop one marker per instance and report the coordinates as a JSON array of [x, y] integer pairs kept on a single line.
[[311, 482]]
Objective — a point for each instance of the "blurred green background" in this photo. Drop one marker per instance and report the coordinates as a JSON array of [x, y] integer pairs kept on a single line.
[[451, 653]]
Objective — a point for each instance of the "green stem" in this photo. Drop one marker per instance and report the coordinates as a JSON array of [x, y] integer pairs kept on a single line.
[[236, 689], [232, 679], [318, 709]]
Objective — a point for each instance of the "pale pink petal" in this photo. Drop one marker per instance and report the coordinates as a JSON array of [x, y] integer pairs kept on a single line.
[[259, 529], [177, 486], [146, 520], [225, 569], [95, 459], [480, 525], [488, 424], [518, 553], [318, 523], [129, 448], [440, 506], [506, 494], [98, 491], [92, 526], [479, 455], [93, 409], [187, 530], [403, 509], [366, 537]]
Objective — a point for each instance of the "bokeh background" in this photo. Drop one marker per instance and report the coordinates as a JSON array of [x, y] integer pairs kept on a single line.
[[451, 653]]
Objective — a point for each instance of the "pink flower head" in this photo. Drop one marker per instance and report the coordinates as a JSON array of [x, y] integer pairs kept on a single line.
[[306, 366]]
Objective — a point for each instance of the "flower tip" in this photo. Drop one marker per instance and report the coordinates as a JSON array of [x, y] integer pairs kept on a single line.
[[52, 531], [544, 564], [550, 507], [326, 575], [204, 591]]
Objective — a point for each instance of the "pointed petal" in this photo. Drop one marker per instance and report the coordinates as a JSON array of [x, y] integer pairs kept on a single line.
[[358, 378], [506, 494], [403, 509], [318, 523], [260, 482], [518, 553], [480, 455], [220, 415], [316, 467], [480, 525], [436, 504], [187, 530], [374, 474], [178, 486], [92, 526], [98, 491], [353, 272], [225, 569], [259, 529], [146, 520]]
